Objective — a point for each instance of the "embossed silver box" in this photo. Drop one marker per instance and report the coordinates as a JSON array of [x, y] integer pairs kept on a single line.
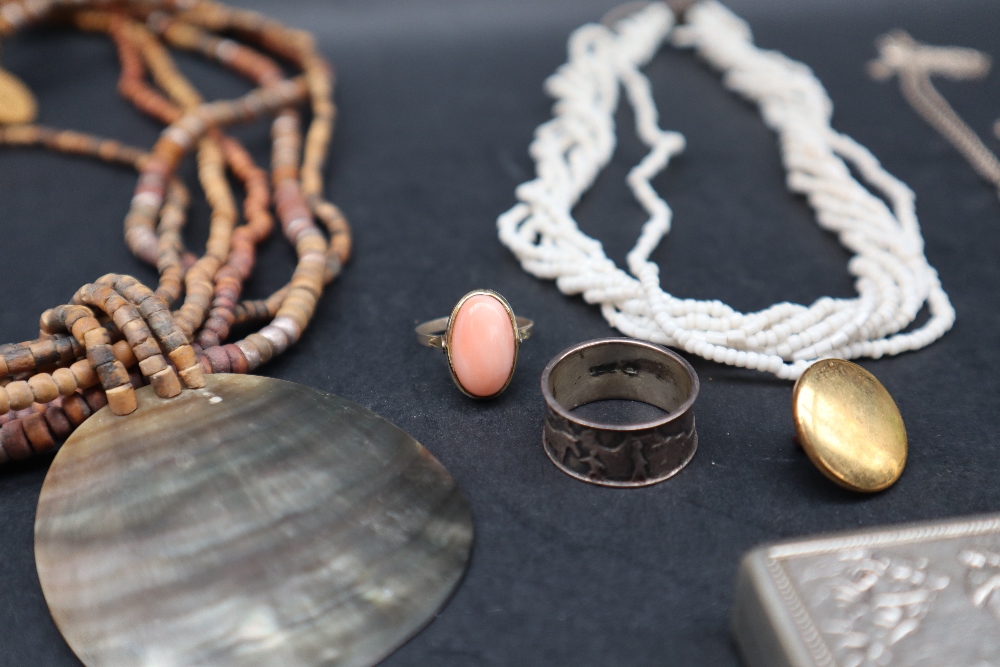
[[921, 595]]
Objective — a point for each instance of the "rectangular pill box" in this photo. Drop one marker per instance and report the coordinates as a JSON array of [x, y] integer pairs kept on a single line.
[[920, 595]]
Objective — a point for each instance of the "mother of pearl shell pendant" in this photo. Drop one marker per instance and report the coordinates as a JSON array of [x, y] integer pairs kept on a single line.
[[255, 522]]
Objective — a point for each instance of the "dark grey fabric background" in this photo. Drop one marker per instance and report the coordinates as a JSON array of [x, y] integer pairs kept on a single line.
[[438, 103]]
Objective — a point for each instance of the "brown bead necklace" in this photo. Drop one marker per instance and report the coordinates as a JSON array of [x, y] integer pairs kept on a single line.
[[142, 324], [341, 466]]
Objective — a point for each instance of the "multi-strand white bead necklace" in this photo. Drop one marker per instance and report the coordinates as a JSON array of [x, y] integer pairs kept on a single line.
[[893, 278]]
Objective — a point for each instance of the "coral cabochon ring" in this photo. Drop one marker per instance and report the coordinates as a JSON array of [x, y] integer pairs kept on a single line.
[[481, 338]]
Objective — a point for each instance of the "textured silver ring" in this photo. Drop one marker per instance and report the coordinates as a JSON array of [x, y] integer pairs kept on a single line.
[[619, 455]]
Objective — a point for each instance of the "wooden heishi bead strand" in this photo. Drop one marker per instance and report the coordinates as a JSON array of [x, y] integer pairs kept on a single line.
[[136, 45], [118, 334]]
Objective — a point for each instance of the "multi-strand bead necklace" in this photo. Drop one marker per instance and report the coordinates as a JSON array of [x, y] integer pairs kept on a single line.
[[893, 278], [117, 334]]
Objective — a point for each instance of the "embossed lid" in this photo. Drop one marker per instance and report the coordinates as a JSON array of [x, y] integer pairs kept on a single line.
[[921, 595]]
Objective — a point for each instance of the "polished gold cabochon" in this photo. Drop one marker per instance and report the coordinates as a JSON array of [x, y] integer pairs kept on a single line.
[[253, 523], [849, 425], [17, 104]]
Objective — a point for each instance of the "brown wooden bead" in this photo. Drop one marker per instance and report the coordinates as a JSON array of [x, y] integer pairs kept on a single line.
[[165, 383], [112, 374], [123, 353], [44, 353], [161, 323], [17, 414], [151, 305], [173, 341], [43, 387], [152, 365], [121, 399], [14, 440], [48, 322], [67, 347], [95, 398], [39, 435], [193, 377], [276, 337], [72, 314], [136, 292], [4, 401], [20, 395], [146, 349], [19, 360], [263, 347], [58, 422], [84, 325], [98, 336], [237, 361], [183, 357], [295, 314], [85, 295], [100, 355], [251, 354], [224, 311], [208, 338], [218, 359], [124, 315], [4, 371], [135, 332], [65, 381], [114, 303], [84, 374], [76, 409]]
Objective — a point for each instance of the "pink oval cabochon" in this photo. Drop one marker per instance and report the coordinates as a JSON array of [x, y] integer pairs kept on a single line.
[[482, 345]]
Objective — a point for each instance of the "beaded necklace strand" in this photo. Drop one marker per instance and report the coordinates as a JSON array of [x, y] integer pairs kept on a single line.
[[117, 334], [893, 278]]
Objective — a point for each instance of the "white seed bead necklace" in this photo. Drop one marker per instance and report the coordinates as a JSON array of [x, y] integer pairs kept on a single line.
[[893, 277]]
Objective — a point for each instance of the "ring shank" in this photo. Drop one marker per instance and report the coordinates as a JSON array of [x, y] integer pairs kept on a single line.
[[432, 333]]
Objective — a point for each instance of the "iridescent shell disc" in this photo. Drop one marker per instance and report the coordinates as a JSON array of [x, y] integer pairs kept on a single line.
[[255, 522]]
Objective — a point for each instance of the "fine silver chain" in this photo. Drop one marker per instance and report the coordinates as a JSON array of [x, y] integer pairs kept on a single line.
[[915, 63]]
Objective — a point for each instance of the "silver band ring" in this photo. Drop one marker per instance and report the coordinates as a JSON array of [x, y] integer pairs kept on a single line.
[[626, 455]]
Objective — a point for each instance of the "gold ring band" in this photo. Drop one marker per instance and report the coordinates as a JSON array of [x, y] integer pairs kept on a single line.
[[433, 333]]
